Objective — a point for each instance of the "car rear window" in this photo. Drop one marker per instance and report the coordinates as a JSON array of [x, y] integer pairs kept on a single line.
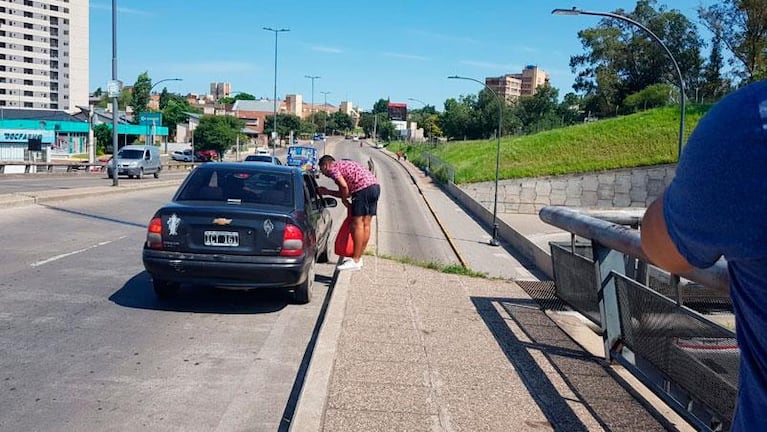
[[238, 186]]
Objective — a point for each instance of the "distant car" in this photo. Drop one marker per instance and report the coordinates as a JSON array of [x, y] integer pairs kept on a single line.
[[183, 156], [262, 151], [263, 158], [355, 138], [240, 226], [136, 161], [205, 156]]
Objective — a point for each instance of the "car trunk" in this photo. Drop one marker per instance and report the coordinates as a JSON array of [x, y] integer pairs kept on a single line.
[[229, 230]]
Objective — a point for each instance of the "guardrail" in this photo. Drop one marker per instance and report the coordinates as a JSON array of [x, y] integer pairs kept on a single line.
[[76, 166], [661, 332]]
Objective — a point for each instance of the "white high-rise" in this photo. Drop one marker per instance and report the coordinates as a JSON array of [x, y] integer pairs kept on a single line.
[[44, 54]]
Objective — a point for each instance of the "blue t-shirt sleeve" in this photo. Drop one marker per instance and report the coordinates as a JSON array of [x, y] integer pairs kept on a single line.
[[717, 203]]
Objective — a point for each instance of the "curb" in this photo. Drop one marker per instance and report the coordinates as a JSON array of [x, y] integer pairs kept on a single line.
[[310, 408]]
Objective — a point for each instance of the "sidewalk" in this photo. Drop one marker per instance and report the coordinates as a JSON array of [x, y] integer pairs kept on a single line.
[[407, 348]]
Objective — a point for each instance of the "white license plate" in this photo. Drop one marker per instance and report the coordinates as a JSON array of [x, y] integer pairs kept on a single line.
[[221, 238]]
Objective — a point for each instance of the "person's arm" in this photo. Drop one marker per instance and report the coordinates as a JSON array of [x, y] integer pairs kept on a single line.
[[656, 242]]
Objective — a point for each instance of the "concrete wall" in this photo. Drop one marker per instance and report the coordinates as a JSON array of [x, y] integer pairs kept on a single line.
[[635, 187]]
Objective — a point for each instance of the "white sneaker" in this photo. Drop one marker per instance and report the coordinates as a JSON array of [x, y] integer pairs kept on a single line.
[[350, 265]]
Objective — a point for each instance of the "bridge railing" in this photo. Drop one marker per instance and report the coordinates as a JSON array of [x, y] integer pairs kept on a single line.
[[674, 332], [74, 166]]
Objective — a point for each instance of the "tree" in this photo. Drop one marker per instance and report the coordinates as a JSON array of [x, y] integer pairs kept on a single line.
[[653, 96], [217, 133], [458, 118], [140, 96], [742, 26], [714, 85], [381, 106], [378, 123], [175, 112], [228, 100], [285, 124], [103, 134], [341, 121], [622, 59], [539, 112]]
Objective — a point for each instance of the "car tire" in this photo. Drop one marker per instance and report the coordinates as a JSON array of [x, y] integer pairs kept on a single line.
[[164, 289], [140, 174], [302, 294], [157, 173]]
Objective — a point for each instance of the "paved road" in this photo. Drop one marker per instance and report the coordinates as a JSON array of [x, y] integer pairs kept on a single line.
[[85, 345], [16, 183]]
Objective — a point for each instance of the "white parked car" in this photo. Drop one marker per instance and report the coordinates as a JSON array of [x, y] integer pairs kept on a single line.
[[183, 156]]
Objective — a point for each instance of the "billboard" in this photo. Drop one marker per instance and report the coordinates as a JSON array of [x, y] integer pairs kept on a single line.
[[397, 111]]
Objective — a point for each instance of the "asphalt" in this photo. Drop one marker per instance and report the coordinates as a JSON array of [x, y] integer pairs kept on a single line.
[[407, 348]]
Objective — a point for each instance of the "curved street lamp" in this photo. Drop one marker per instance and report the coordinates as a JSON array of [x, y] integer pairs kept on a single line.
[[152, 130], [494, 240], [655, 38], [274, 120]]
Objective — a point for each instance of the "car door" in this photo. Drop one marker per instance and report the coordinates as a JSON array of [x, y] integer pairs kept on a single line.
[[316, 209]]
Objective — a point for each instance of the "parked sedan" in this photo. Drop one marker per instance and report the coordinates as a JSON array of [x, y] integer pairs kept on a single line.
[[240, 226], [263, 158]]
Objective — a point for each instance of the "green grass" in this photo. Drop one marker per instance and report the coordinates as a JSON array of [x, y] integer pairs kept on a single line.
[[452, 269], [646, 138]]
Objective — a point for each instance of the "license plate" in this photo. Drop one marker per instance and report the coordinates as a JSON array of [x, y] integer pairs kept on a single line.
[[221, 238]]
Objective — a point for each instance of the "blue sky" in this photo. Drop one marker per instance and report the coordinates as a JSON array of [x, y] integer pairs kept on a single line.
[[362, 50]]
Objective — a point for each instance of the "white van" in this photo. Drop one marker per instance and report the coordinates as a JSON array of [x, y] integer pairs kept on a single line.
[[136, 161]]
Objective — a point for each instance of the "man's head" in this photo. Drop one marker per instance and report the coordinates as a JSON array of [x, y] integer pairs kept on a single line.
[[325, 162]]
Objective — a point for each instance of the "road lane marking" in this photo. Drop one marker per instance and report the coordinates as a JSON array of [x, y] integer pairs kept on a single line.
[[58, 257]]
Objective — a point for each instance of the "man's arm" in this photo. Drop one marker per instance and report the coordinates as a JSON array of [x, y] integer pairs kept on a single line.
[[656, 242]]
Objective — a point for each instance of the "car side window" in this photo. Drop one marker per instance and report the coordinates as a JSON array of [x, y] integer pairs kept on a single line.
[[310, 192]]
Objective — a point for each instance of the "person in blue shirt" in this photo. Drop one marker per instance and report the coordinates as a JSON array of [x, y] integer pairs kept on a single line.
[[716, 206]]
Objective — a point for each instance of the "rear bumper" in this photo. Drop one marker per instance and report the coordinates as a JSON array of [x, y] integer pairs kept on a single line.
[[223, 271]]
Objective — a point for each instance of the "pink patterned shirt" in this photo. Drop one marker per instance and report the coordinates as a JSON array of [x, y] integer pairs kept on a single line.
[[357, 176]]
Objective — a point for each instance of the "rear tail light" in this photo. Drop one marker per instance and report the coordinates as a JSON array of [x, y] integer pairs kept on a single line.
[[292, 241], [154, 234]]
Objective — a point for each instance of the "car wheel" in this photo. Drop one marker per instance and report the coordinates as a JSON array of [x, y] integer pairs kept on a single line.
[[303, 292], [130, 176], [157, 173], [164, 289], [140, 174]]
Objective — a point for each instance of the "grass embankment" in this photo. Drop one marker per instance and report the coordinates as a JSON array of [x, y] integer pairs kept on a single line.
[[646, 138]]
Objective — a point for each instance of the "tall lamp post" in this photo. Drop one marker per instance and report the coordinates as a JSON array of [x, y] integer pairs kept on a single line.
[[151, 135], [420, 102], [325, 110], [115, 90], [312, 77], [494, 240], [655, 38], [274, 120]]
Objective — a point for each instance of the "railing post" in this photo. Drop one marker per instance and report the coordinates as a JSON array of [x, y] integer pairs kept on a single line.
[[605, 261]]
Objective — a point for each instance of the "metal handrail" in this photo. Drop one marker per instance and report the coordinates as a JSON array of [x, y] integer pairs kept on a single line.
[[625, 240]]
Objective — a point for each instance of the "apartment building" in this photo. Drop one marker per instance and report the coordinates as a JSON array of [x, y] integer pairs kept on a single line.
[[220, 89], [44, 54], [513, 86]]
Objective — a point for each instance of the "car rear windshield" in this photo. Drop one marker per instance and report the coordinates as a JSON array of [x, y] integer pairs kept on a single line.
[[258, 158], [238, 186]]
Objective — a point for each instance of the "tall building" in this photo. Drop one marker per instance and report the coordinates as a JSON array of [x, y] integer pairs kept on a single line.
[[44, 54], [513, 86], [220, 89]]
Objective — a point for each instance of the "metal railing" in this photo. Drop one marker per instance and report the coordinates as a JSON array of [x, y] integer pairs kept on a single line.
[[680, 353], [437, 168]]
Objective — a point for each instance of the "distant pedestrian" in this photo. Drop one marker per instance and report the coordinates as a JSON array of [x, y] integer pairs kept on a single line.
[[358, 190], [716, 206], [399, 154]]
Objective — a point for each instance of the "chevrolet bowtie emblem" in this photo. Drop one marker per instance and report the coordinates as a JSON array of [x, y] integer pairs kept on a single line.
[[222, 221]]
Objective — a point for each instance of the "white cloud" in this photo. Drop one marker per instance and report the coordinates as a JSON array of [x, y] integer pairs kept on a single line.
[[405, 56], [108, 7], [325, 49]]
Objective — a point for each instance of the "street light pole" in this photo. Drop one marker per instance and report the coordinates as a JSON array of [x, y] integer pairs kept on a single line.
[[152, 131], [325, 110], [494, 240], [421, 102], [274, 119], [115, 108], [312, 77], [655, 38]]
